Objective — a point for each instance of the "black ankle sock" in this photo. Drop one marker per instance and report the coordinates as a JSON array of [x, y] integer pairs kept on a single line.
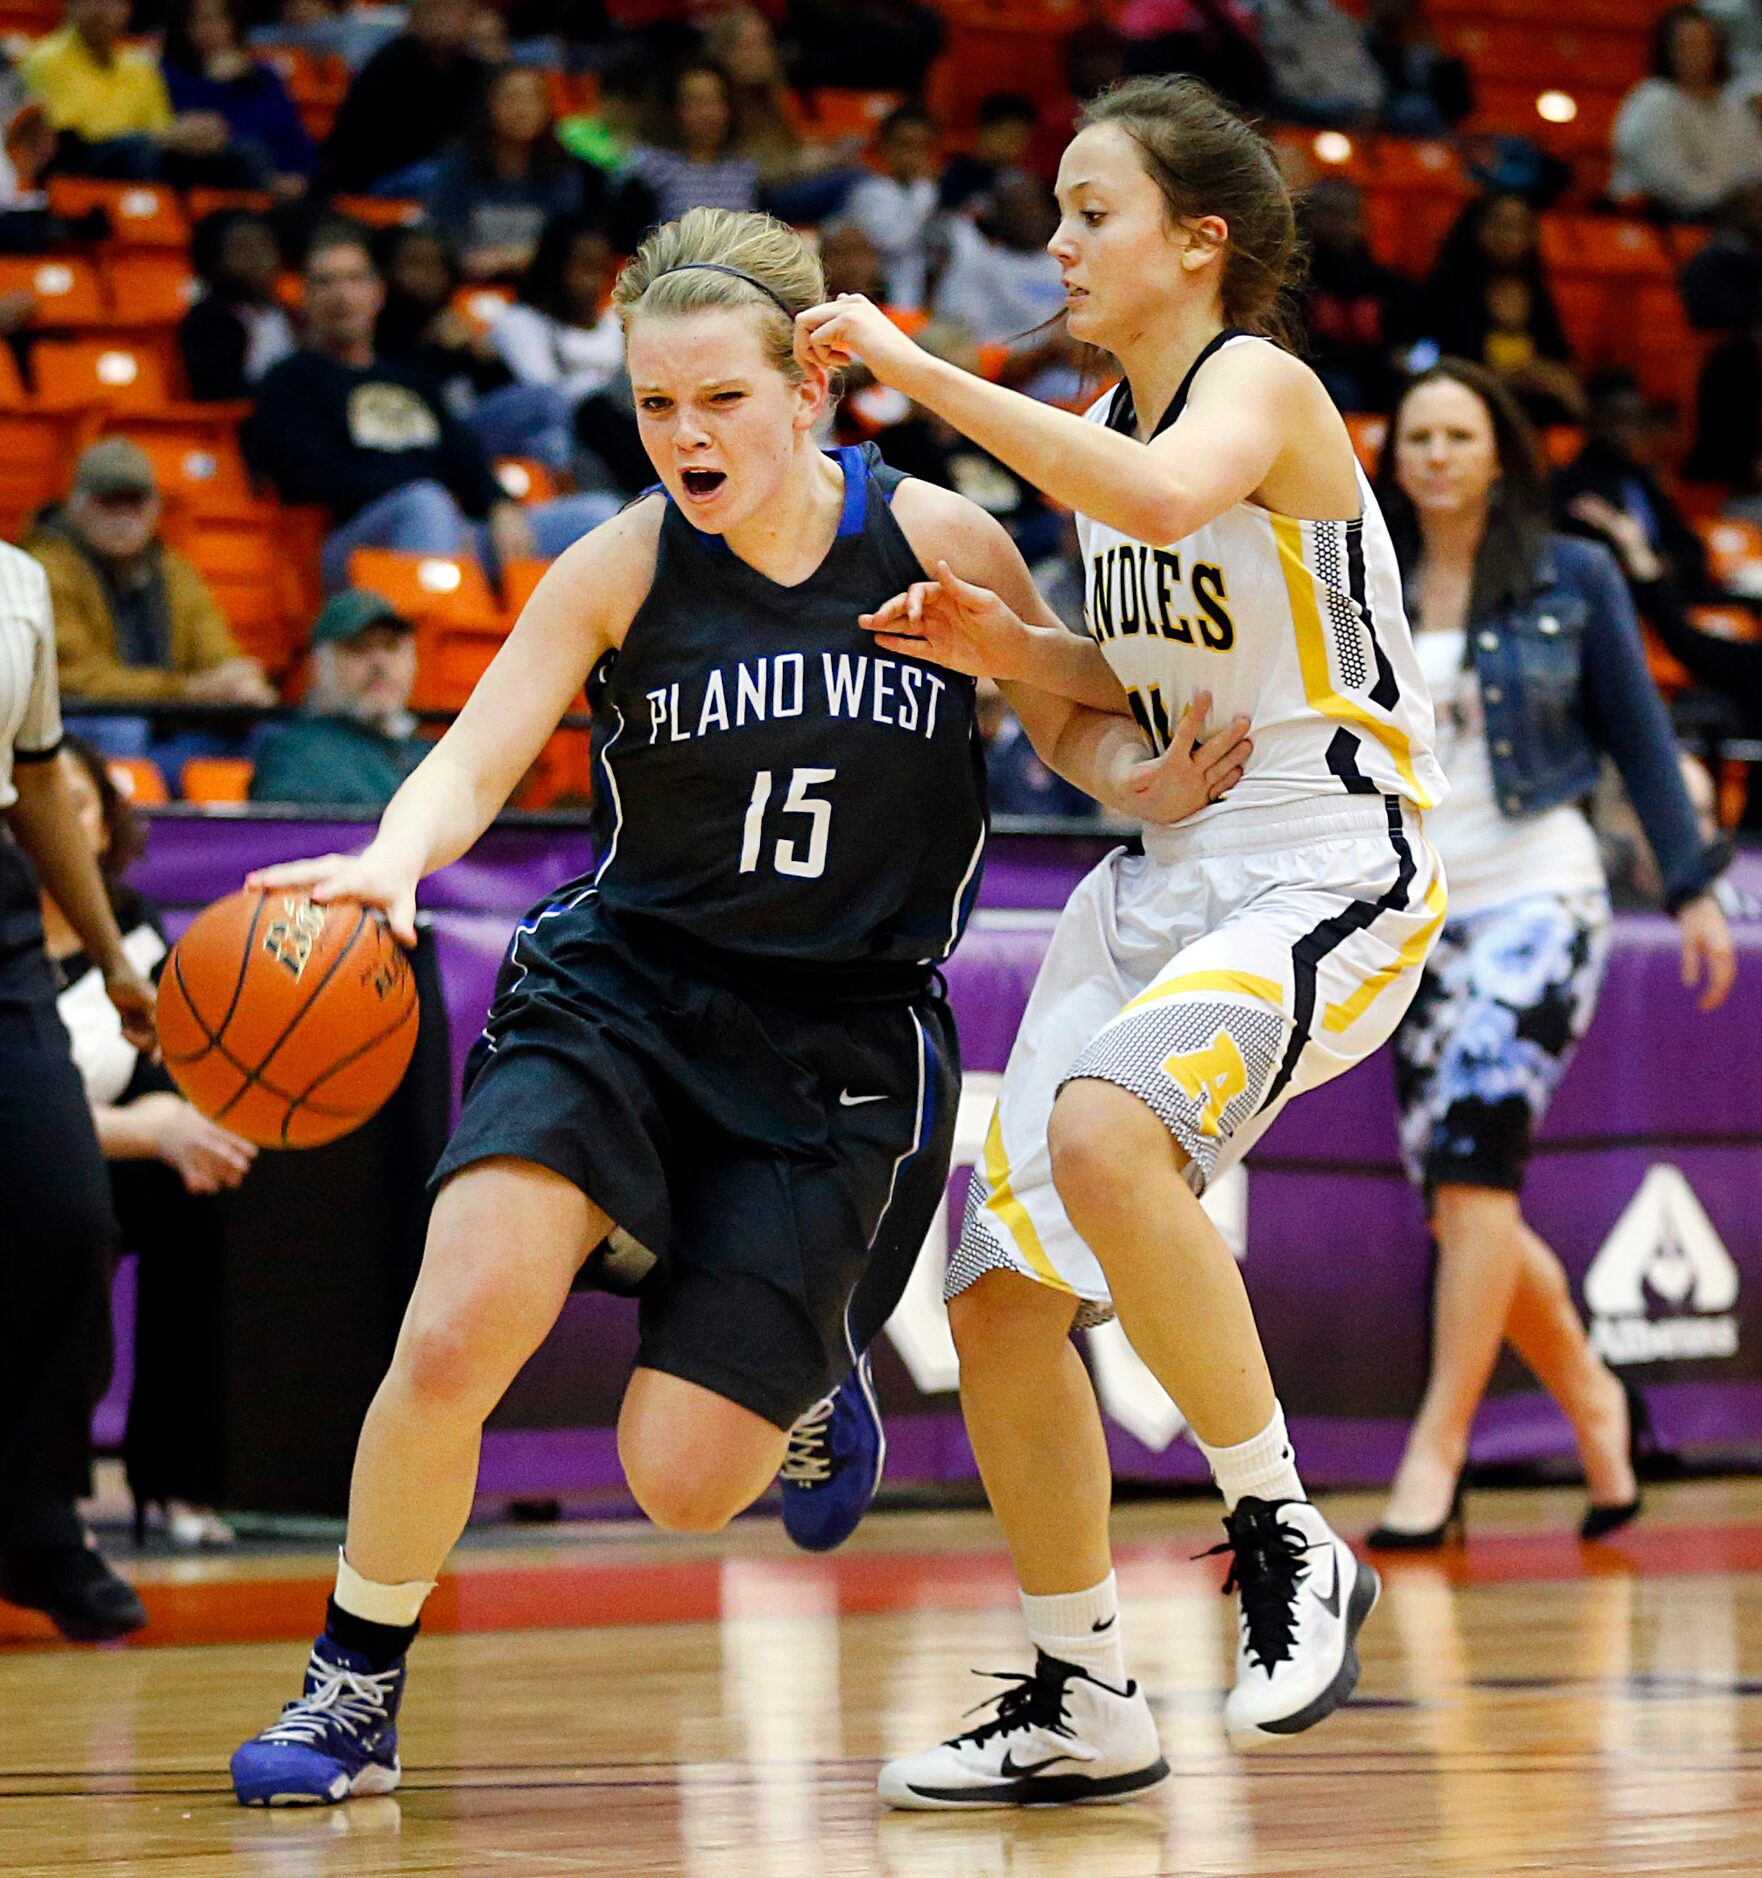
[[381, 1644]]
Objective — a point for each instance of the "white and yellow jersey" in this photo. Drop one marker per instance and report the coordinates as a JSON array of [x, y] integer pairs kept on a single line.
[[1298, 626]]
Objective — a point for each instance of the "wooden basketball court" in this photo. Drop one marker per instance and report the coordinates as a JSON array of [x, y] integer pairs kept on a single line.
[[606, 1701]]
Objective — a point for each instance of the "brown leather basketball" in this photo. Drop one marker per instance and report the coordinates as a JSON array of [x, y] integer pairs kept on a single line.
[[286, 1021]]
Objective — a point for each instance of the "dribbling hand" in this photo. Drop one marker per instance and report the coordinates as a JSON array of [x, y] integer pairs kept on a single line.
[[951, 623], [1189, 774], [368, 878]]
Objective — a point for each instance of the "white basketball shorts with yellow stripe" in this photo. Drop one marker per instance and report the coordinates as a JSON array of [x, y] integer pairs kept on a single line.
[[1231, 966]]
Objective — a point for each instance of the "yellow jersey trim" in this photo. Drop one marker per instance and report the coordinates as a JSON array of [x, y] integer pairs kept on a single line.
[[1244, 982], [1012, 1214], [1312, 657], [1348, 1011]]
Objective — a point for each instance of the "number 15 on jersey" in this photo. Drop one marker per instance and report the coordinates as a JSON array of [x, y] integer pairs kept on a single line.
[[788, 856]]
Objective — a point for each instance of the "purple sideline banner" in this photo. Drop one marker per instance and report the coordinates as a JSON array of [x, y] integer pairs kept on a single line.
[[1648, 1183]]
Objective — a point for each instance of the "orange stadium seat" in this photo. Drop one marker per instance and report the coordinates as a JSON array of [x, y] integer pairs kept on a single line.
[[241, 547], [67, 288], [460, 625], [378, 211], [1368, 434], [151, 287], [138, 780], [217, 779], [195, 450], [1734, 550], [525, 478], [204, 202], [12, 386], [519, 578], [37, 453], [111, 372], [142, 215]]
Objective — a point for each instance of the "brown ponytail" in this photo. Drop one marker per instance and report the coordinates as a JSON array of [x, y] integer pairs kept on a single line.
[[1207, 161]]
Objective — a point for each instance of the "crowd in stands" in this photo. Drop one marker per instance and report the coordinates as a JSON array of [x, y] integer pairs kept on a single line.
[[405, 222]]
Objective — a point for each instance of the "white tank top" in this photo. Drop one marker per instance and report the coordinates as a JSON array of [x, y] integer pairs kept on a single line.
[[1297, 626]]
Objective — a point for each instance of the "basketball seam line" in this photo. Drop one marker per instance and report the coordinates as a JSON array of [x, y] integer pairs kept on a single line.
[[360, 1050], [255, 1077], [238, 988], [216, 1046]]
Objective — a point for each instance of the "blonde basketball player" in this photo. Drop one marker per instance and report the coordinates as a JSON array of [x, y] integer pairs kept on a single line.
[[1256, 949]]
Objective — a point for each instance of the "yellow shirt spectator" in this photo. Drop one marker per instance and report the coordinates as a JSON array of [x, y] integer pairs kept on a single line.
[[122, 96]]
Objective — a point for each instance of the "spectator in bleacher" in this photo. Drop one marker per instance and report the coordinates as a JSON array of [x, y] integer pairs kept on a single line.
[[897, 208], [688, 159], [1322, 69], [420, 324], [134, 620], [801, 179], [1359, 316], [1487, 299], [109, 103], [1615, 470], [27, 224], [1002, 139], [1217, 40], [354, 741], [561, 339], [1688, 135], [1537, 672], [1722, 295], [1741, 23], [493, 191], [414, 96], [1429, 92], [207, 69], [237, 330], [369, 440], [999, 281], [167, 1163], [59, 1227]]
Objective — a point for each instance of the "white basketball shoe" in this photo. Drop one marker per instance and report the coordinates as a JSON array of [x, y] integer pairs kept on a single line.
[[1304, 1595], [1058, 1737]]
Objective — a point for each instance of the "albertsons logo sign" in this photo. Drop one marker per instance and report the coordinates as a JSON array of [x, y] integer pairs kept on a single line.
[[1663, 1286]]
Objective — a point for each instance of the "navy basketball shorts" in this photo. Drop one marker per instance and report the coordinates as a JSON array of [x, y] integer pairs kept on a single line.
[[772, 1156]]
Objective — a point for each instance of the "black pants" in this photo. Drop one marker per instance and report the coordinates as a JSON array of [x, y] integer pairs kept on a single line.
[[175, 1444], [56, 1234]]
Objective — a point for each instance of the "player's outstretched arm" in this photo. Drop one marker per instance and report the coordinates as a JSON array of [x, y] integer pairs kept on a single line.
[[1258, 423], [983, 604], [578, 612]]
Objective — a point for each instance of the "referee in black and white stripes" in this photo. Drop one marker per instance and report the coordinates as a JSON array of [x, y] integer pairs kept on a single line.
[[56, 1228]]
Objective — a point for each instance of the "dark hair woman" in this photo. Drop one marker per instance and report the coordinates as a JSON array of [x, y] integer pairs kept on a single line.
[[1686, 137], [1529, 642], [166, 1162], [688, 158], [54, 1254], [495, 189], [207, 69], [1487, 299], [1176, 1011]]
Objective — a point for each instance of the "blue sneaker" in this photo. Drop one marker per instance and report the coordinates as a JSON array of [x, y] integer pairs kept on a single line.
[[836, 1453], [339, 1739]]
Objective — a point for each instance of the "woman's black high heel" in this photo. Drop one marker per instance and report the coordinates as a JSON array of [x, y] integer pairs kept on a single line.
[[1433, 1538], [1600, 1521]]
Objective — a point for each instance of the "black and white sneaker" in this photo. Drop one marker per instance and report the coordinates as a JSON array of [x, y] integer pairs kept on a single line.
[[1304, 1597], [1058, 1737]]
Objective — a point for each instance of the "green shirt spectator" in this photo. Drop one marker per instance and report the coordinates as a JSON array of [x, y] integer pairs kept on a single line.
[[355, 742]]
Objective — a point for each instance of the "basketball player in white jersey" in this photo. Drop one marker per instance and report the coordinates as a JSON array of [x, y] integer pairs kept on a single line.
[[1234, 556]]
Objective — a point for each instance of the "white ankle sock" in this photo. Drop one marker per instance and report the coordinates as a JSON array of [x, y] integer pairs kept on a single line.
[[398, 1605], [1081, 1627], [1264, 1467]]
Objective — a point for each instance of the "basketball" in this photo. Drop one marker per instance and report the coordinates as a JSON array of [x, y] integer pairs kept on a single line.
[[286, 1021]]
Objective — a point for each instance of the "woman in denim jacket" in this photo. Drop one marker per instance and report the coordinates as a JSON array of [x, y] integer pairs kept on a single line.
[[1530, 645]]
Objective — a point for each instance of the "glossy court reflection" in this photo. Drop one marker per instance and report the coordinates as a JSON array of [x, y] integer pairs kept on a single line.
[[1527, 1706]]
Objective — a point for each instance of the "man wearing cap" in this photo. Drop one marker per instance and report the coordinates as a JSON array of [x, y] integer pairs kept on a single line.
[[355, 741], [134, 621]]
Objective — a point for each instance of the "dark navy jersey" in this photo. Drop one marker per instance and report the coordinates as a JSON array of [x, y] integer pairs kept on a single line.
[[774, 791]]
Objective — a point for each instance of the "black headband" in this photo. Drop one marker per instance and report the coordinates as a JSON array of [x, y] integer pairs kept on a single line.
[[733, 273]]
